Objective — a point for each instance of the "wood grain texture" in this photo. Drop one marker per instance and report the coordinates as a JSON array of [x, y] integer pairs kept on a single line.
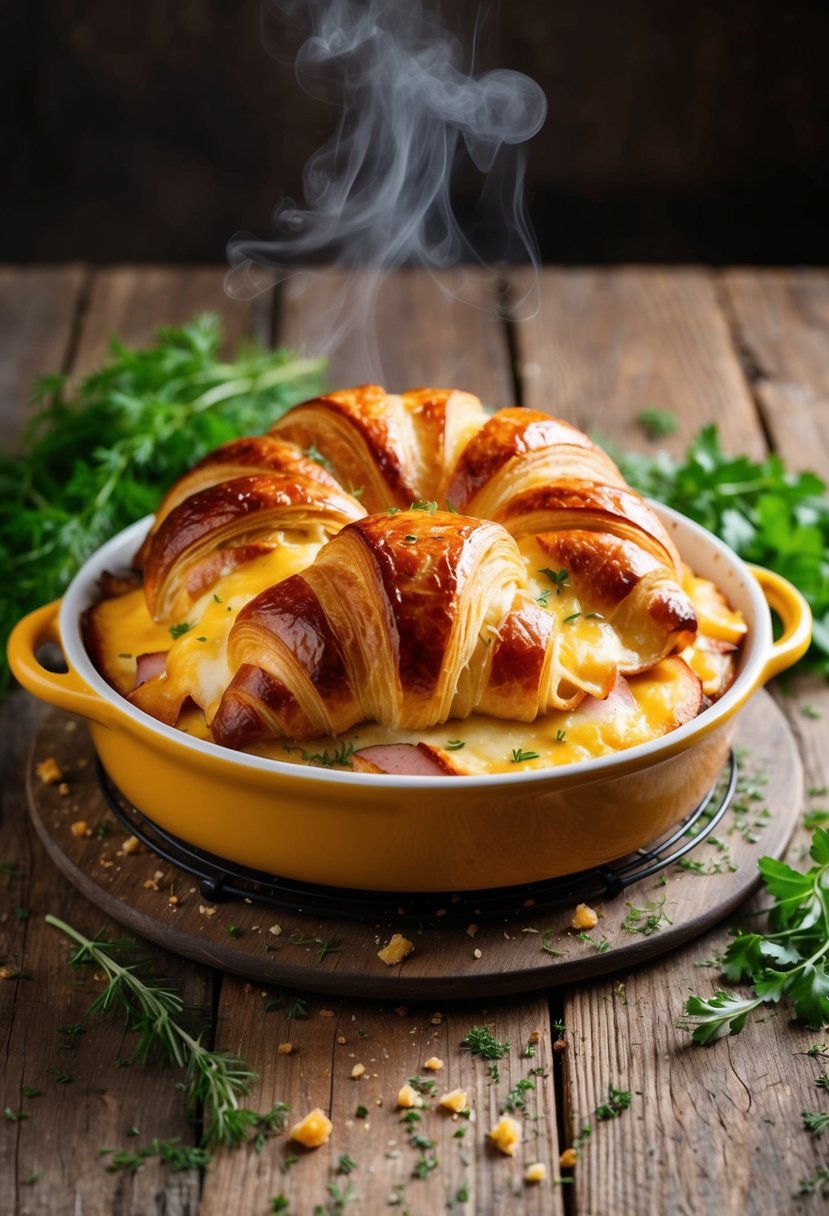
[[38, 306], [440, 330], [781, 322], [607, 344], [393, 1045], [132, 302], [522, 950]]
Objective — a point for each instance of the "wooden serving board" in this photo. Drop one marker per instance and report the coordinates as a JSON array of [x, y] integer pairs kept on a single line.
[[516, 953]]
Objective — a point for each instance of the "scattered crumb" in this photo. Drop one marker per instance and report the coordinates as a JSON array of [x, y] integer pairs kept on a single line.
[[63, 789], [560, 1045], [49, 771], [275, 930], [434, 1064], [313, 1130], [568, 1159], [409, 1097], [205, 911], [584, 918], [436, 1018], [506, 1135], [536, 1172], [535, 1037], [476, 954], [358, 1071], [397, 949], [173, 901], [80, 828], [401, 1010], [455, 1100], [327, 1013], [341, 1039], [472, 930], [284, 1049], [7, 973], [131, 845]]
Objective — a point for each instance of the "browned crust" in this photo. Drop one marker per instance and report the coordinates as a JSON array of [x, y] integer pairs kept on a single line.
[[518, 660], [256, 706], [507, 434]]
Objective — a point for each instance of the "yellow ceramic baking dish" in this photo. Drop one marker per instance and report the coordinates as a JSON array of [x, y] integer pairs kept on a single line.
[[381, 832]]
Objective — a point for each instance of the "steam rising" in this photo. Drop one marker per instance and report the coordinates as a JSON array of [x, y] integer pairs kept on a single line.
[[377, 193]]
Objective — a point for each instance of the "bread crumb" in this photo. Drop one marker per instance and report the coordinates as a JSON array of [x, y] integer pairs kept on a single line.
[[358, 1071], [327, 1013], [397, 949], [584, 918], [535, 1037], [312, 1131], [436, 1019], [536, 1172], [49, 771], [506, 1135], [401, 1010], [434, 1064], [80, 828], [560, 1045], [63, 789], [341, 1039], [173, 901], [471, 930], [284, 1049], [7, 973], [476, 954], [568, 1159], [275, 930], [131, 845]]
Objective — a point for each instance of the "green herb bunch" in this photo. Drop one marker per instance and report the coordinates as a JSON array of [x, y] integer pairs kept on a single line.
[[766, 514], [789, 960], [97, 455]]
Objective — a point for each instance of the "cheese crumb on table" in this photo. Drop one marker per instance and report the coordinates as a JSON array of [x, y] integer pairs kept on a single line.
[[397, 949], [80, 828], [506, 1135], [584, 918], [409, 1097], [455, 1100], [568, 1159], [49, 771], [313, 1130], [358, 1071], [284, 1049], [434, 1064], [536, 1172]]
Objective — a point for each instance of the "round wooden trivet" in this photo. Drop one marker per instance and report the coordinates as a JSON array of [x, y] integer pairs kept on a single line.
[[153, 898]]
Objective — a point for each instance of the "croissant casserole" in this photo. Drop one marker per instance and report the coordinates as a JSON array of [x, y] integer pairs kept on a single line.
[[406, 583]]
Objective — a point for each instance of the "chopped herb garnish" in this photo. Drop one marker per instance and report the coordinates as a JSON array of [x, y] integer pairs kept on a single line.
[[558, 578], [15, 1116], [561, 735], [602, 945], [341, 755], [297, 1009], [544, 598], [361, 1112], [233, 931], [313, 453], [480, 1041], [815, 1121], [173, 1153], [451, 508], [345, 1164], [424, 1166], [574, 616], [409, 539], [617, 1101], [657, 424], [10, 869], [178, 631], [547, 944], [431, 507], [201, 639], [394, 510], [57, 1074], [818, 1183], [809, 711], [455, 745], [647, 920], [125, 656], [31, 1091], [279, 1203], [217, 598], [519, 756], [516, 1098]]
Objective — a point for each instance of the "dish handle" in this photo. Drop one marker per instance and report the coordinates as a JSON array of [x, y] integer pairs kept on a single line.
[[65, 689], [795, 615]]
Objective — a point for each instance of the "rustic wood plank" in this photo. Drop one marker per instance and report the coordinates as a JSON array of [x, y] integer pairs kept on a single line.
[[781, 325], [442, 330], [607, 344], [71, 1122], [133, 301], [392, 1045], [38, 306]]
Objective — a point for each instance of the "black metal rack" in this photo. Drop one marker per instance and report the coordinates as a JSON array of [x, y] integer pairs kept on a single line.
[[223, 880]]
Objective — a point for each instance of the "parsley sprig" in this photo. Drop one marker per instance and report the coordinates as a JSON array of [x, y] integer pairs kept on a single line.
[[98, 454], [213, 1081], [789, 960]]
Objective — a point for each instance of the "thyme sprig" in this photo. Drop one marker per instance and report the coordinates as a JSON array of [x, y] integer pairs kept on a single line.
[[214, 1081]]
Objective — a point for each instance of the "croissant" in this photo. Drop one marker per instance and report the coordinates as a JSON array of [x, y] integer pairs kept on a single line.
[[345, 605]]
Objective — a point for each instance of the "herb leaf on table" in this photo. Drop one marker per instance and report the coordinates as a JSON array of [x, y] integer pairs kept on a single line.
[[98, 454], [789, 960]]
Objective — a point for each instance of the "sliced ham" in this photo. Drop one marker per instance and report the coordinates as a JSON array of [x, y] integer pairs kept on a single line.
[[403, 760], [620, 697], [147, 666]]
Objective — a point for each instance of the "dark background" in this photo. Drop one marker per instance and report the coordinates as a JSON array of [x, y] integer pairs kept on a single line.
[[677, 130]]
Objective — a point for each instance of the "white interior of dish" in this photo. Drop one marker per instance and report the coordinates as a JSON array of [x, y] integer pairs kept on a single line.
[[707, 555]]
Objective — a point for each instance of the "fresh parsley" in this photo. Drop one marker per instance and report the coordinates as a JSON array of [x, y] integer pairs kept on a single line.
[[519, 756], [480, 1041], [789, 960], [559, 578]]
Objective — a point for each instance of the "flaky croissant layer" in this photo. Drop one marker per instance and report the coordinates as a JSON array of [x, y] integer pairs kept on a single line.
[[310, 581]]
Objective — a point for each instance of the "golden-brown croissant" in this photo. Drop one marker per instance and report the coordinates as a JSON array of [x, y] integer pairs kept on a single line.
[[407, 620], [295, 615]]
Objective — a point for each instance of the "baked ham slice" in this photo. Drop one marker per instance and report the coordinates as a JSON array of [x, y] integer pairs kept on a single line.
[[404, 760]]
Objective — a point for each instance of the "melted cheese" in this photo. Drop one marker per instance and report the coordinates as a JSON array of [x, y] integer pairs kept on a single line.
[[197, 666]]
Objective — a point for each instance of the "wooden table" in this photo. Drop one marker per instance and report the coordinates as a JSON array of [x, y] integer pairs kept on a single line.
[[709, 1130]]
